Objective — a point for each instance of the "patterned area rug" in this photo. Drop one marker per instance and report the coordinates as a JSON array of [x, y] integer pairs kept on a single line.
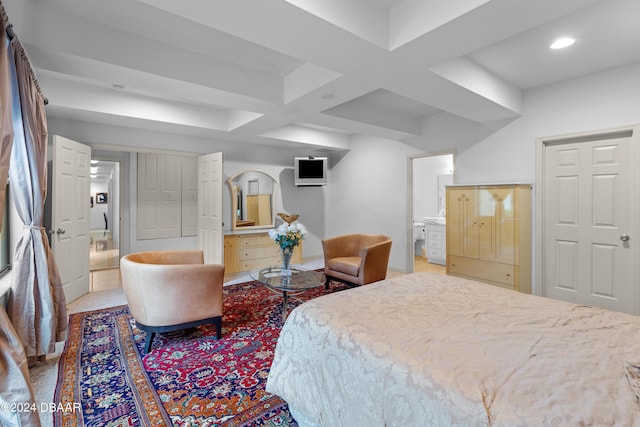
[[188, 378]]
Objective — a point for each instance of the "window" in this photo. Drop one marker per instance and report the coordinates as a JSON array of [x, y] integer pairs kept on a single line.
[[5, 247]]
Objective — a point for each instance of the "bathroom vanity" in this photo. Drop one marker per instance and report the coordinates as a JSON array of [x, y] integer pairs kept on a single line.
[[436, 244]]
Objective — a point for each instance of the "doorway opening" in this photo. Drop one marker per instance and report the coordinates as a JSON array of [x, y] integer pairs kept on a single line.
[[430, 174], [104, 202]]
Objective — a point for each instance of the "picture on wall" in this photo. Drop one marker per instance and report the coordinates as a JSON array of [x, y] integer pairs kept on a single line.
[[101, 198]]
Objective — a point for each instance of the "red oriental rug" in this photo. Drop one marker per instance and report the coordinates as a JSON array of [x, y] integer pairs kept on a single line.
[[188, 378]]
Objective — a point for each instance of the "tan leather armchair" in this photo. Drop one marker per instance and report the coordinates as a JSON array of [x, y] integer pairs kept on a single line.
[[356, 258], [172, 290]]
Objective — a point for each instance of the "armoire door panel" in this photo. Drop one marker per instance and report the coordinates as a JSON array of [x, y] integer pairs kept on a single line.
[[462, 234], [497, 226], [455, 223], [489, 229]]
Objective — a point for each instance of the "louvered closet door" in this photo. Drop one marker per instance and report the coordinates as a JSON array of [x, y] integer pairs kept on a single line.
[[588, 211], [159, 196]]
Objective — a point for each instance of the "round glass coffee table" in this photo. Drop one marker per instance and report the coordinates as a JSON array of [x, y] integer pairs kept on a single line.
[[298, 281]]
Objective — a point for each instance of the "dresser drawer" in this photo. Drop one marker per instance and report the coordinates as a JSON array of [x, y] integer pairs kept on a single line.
[[244, 252], [435, 235], [254, 264], [259, 252], [434, 253], [257, 240], [435, 244], [483, 270]]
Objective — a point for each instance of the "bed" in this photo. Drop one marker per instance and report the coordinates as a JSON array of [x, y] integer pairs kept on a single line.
[[427, 349]]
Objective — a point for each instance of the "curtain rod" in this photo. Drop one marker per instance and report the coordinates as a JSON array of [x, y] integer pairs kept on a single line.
[[12, 34]]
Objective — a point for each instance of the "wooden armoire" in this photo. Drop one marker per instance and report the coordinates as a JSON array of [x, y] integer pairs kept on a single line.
[[259, 209], [489, 234]]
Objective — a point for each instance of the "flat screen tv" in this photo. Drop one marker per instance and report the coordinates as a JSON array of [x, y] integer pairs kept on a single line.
[[310, 171]]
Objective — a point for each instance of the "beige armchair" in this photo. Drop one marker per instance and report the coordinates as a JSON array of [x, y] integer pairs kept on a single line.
[[172, 290], [356, 258]]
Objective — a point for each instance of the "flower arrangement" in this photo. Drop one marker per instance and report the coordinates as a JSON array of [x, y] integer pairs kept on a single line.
[[288, 236]]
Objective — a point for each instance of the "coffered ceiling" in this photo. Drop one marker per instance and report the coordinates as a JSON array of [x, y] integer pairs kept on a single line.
[[311, 73]]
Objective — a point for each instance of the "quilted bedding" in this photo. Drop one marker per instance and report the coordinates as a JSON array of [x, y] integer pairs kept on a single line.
[[427, 349]]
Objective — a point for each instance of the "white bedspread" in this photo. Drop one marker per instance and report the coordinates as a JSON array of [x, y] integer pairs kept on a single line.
[[427, 349]]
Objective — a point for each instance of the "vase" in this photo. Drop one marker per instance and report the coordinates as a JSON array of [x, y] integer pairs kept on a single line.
[[285, 254]]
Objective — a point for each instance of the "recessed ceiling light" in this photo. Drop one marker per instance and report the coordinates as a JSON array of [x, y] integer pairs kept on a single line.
[[563, 42]]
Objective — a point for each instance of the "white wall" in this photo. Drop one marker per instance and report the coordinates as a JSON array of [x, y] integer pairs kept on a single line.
[[367, 187], [425, 184], [308, 202], [367, 193], [596, 102], [369, 183]]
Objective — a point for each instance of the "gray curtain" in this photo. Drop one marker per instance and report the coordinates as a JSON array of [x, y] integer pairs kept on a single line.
[[6, 129], [37, 306], [15, 384]]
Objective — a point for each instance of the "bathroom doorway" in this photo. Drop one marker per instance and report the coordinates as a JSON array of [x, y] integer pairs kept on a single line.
[[430, 174], [104, 203]]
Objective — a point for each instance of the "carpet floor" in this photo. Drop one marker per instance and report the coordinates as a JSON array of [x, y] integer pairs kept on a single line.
[[188, 378]]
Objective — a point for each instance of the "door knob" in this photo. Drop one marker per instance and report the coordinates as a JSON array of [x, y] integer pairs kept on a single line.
[[624, 237], [61, 231]]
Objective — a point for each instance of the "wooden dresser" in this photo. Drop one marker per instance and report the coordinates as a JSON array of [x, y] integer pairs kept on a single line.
[[248, 251], [489, 234]]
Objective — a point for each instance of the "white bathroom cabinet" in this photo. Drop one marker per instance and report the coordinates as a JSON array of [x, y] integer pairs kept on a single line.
[[436, 245]]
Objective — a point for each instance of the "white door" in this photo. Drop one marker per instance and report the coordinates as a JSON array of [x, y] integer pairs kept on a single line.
[[210, 236], [189, 196], [70, 214], [589, 218]]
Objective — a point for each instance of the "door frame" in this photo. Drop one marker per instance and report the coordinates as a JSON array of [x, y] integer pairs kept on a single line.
[[101, 156], [409, 218], [539, 220]]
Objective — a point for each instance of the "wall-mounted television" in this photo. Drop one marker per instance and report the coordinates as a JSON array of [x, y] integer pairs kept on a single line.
[[309, 171]]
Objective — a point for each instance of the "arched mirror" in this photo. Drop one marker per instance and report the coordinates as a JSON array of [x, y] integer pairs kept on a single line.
[[252, 200]]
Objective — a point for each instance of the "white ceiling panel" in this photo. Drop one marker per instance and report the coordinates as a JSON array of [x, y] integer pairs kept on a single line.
[[304, 73]]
